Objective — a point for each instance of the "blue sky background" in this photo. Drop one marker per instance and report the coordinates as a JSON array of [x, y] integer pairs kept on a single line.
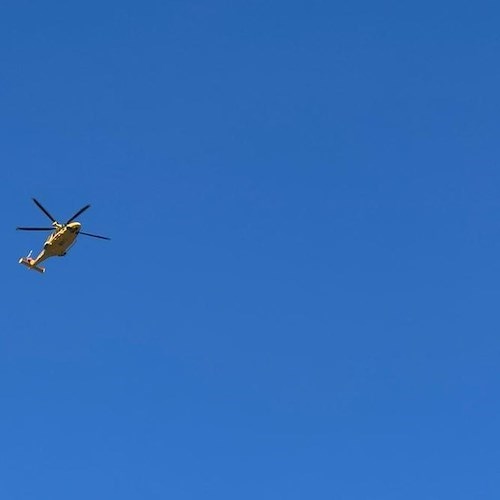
[[300, 298]]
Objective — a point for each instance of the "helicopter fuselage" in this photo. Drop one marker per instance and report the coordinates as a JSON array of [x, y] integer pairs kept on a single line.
[[59, 242]]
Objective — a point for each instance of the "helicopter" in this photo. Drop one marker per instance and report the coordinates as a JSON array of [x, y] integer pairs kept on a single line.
[[59, 242]]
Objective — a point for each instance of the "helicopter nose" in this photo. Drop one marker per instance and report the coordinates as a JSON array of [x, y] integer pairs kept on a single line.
[[74, 227]]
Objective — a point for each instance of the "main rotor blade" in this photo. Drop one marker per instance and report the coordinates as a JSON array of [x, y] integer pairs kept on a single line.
[[95, 236], [77, 214], [35, 228], [43, 209]]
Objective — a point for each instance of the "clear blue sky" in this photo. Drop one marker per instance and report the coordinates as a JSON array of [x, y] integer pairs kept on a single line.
[[300, 298]]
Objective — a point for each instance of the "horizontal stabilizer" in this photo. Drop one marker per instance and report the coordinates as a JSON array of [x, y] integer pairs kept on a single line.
[[29, 264]]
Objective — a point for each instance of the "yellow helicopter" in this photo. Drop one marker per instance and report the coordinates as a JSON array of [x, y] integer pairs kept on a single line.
[[59, 242]]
